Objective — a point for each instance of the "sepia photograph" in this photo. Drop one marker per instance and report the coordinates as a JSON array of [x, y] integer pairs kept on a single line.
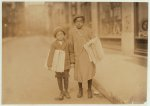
[[74, 52]]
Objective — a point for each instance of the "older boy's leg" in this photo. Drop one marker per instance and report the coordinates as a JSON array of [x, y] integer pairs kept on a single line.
[[90, 88], [80, 93]]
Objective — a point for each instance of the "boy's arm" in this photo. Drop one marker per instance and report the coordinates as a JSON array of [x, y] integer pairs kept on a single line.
[[91, 33], [71, 53], [51, 55], [71, 49]]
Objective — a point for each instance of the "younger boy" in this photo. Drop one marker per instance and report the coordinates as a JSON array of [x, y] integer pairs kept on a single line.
[[61, 44]]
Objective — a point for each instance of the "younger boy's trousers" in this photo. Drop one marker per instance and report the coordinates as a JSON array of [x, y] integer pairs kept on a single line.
[[60, 76]]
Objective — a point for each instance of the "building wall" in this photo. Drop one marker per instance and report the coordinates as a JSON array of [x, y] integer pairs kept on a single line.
[[32, 19], [36, 19], [12, 18], [115, 23], [8, 23]]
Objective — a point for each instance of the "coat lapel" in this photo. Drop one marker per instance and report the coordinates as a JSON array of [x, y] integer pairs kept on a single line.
[[61, 47], [82, 38]]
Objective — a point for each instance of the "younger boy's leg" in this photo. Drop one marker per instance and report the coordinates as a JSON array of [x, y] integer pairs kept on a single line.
[[66, 83], [60, 85]]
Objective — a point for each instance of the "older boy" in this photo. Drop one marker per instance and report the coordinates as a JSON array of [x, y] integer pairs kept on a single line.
[[84, 69]]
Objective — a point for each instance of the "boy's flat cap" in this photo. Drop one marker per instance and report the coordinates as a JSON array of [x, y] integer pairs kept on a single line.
[[78, 16], [59, 28]]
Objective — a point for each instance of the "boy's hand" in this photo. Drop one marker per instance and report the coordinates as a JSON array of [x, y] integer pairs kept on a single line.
[[72, 65]]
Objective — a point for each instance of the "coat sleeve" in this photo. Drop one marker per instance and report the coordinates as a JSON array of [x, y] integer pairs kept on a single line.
[[71, 49], [50, 56], [91, 34]]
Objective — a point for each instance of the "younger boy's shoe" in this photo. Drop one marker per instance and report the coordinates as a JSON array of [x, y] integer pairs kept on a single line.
[[90, 95], [80, 93], [67, 95], [61, 96]]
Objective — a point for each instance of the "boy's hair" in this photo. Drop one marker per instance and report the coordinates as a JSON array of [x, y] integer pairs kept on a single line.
[[78, 16], [57, 29]]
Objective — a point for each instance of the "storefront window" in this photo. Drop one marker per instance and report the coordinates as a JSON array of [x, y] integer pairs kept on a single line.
[[110, 15], [142, 19], [141, 36]]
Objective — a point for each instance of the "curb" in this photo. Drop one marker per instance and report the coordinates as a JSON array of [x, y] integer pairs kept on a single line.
[[113, 99]]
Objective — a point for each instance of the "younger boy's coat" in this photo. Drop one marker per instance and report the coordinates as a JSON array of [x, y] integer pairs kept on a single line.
[[69, 56]]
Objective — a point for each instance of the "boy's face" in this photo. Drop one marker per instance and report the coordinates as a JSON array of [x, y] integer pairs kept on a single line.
[[79, 23], [60, 35]]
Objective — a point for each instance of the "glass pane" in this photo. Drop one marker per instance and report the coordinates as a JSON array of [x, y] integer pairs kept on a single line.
[[111, 18]]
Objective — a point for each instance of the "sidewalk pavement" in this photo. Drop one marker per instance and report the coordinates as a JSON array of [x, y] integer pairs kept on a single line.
[[121, 78]]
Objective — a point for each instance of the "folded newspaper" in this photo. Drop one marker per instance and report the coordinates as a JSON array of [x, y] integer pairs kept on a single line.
[[94, 50], [58, 61]]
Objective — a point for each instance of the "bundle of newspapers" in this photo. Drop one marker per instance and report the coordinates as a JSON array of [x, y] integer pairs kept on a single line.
[[58, 61], [94, 50]]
